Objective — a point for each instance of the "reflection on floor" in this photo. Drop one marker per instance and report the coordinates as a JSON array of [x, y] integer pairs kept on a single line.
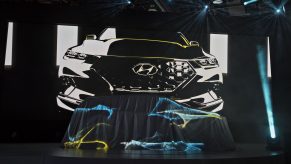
[[52, 153]]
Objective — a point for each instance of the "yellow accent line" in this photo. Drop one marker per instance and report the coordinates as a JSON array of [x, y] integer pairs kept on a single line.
[[77, 144], [162, 41], [147, 57], [154, 40], [208, 115], [184, 38], [186, 122], [214, 116]]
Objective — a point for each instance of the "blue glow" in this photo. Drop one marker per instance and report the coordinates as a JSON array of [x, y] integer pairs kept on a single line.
[[280, 10], [173, 111], [165, 146], [100, 108], [249, 2], [128, 2], [262, 63], [206, 6], [81, 132], [78, 135], [75, 137]]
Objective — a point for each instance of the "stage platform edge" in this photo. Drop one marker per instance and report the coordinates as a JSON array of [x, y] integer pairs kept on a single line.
[[51, 153]]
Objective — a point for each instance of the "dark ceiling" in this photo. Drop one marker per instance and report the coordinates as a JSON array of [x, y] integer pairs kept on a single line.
[[229, 7]]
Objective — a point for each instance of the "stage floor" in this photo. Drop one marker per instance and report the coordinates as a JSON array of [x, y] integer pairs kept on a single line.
[[51, 153]]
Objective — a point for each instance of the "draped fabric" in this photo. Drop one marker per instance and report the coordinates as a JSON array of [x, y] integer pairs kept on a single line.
[[130, 122]]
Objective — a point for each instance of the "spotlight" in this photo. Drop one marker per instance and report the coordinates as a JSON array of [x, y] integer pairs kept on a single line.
[[206, 7], [217, 2], [128, 2], [280, 10], [249, 2]]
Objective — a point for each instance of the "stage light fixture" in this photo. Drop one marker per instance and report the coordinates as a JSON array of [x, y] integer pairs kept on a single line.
[[206, 7], [217, 2], [249, 2], [280, 10], [128, 2]]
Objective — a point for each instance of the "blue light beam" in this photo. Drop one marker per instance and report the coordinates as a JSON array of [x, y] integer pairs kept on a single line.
[[262, 63]]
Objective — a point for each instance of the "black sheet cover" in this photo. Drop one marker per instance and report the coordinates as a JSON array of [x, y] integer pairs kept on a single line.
[[131, 122]]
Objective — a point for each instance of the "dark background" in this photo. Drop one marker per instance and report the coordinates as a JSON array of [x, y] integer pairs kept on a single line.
[[28, 108], [30, 86]]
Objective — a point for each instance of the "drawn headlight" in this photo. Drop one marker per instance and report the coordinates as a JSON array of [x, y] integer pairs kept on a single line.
[[75, 55], [207, 62], [212, 61]]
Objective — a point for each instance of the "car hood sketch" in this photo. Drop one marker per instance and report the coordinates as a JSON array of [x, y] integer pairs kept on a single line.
[[111, 65]]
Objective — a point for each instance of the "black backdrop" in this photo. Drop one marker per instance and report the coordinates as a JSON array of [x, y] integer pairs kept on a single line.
[[18, 105], [32, 83]]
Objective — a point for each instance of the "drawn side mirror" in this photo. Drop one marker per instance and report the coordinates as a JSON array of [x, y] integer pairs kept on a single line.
[[91, 37], [194, 43]]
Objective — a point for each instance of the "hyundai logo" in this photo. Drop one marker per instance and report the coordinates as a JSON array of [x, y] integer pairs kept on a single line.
[[145, 69]]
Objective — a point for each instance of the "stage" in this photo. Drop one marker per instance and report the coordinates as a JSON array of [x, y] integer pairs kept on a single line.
[[51, 153]]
